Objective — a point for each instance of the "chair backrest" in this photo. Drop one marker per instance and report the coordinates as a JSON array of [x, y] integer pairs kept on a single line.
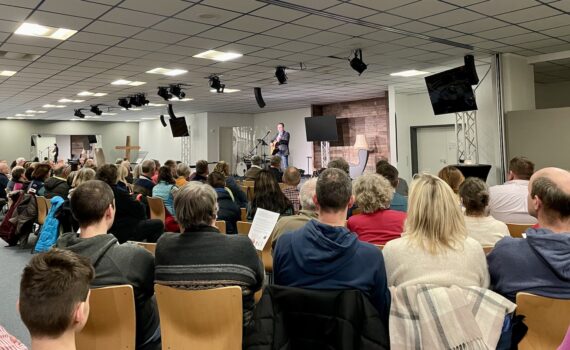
[[547, 320], [516, 230], [243, 212], [200, 319], [243, 227], [112, 322], [151, 247], [248, 190], [221, 225], [157, 209], [488, 248], [42, 204], [267, 258]]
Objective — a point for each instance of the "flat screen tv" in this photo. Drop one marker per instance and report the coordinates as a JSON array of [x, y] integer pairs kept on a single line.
[[179, 127], [321, 128], [451, 92]]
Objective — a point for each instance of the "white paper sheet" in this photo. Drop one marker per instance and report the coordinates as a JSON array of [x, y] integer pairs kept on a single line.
[[263, 224]]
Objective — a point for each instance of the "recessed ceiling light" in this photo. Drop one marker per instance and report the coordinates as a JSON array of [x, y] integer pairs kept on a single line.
[[92, 117], [166, 71], [218, 55], [89, 93], [7, 73], [32, 29], [41, 112], [131, 120], [128, 82], [106, 113], [131, 109], [182, 99], [226, 91], [156, 104], [148, 118], [23, 115], [31, 111], [53, 106], [409, 73], [67, 100]]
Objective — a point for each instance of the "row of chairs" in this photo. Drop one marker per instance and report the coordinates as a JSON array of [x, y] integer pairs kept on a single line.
[[212, 319]]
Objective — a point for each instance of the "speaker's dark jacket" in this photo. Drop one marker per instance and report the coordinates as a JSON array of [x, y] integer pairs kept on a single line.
[[283, 145]]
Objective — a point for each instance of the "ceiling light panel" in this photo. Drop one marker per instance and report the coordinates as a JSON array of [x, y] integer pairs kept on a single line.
[[67, 100], [128, 82], [167, 71], [32, 29], [409, 73], [7, 73], [89, 93], [218, 55]]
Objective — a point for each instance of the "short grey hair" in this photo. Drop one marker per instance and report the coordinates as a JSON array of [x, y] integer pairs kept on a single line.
[[306, 194], [195, 205], [373, 192], [256, 160], [137, 171], [183, 169]]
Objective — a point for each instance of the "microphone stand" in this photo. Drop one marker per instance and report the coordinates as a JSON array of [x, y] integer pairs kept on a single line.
[[261, 142]]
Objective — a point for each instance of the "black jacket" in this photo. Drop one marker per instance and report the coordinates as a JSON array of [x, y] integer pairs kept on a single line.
[[228, 210], [129, 213], [56, 187], [289, 318], [278, 174]]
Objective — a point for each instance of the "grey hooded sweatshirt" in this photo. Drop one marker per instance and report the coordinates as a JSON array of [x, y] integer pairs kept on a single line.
[[117, 264]]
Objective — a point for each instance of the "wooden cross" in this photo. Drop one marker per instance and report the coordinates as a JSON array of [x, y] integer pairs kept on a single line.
[[128, 148]]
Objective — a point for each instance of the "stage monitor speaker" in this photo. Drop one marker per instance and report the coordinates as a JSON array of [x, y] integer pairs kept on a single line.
[[92, 139], [258, 97], [470, 69]]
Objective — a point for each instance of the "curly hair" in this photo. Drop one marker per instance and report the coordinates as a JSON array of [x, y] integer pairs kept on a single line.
[[373, 192]]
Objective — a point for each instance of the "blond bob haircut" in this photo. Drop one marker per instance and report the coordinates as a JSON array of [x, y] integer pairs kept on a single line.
[[435, 221], [83, 175], [195, 205], [372, 192]]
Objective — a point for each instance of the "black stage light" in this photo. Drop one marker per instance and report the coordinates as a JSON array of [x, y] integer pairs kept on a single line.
[[176, 90], [216, 84], [95, 110], [79, 114], [142, 99], [356, 62], [134, 101], [123, 102], [281, 75], [163, 92]]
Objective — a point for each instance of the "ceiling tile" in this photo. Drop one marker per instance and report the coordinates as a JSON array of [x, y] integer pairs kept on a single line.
[[243, 6], [207, 15], [102, 27], [422, 9], [350, 10], [57, 20], [546, 23], [502, 32], [224, 34], [75, 8], [384, 4], [291, 31], [202, 43], [160, 36], [495, 7], [142, 45], [325, 38], [93, 38], [318, 22], [162, 7], [278, 13], [529, 14], [252, 24], [130, 17], [452, 17], [13, 13], [182, 26]]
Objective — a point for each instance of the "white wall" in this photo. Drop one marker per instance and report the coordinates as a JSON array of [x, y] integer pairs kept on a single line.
[[158, 141], [416, 110], [219, 120], [294, 121], [553, 95], [518, 83], [64, 145]]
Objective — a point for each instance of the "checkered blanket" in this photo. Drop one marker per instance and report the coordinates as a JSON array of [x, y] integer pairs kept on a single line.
[[435, 317]]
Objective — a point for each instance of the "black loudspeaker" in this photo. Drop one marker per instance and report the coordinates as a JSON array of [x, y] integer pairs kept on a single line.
[[258, 97], [470, 70], [33, 144], [92, 139]]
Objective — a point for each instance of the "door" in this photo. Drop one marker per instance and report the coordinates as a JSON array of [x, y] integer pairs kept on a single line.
[[226, 147], [436, 148]]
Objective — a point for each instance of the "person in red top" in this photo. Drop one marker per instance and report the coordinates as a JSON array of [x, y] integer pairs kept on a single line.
[[377, 224]]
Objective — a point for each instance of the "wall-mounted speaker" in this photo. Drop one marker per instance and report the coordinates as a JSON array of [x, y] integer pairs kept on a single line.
[[162, 121], [92, 139], [470, 69], [258, 97]]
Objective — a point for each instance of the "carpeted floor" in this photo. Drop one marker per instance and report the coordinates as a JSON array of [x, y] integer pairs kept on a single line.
[[12, 262]]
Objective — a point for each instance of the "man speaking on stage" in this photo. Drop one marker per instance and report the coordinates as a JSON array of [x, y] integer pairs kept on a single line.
[[280, 145]]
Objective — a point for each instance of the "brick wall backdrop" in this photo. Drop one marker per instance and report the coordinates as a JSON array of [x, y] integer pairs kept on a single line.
[[368, 117]]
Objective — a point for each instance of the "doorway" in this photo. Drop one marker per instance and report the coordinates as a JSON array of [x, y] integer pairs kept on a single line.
[[433, 147]]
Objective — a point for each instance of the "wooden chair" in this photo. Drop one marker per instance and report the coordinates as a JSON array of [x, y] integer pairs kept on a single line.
[[157, 209], [43, 208], [547, 320], [151, 247], [243, 227], [488, 248], [516, 230], [267, 258], [112, 322], [221, 225], [356, 211], [243, 212], [200, 319]]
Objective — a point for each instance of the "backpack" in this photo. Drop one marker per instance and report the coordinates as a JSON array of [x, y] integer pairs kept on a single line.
[[50, 229], [8, 228]]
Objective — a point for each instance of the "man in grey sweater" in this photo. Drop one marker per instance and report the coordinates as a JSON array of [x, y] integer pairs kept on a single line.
[[92, 205]]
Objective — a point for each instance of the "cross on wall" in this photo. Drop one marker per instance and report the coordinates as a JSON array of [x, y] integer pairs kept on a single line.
[[127, 147]]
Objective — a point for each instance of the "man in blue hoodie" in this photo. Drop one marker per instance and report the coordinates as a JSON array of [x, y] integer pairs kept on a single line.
[[539, 264], [325, 255]]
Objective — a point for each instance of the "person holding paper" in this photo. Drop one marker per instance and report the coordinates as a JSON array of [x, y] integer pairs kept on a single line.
[[324, 254], [201, 257]]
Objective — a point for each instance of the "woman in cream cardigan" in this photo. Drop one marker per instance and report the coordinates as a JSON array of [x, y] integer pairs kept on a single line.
[[435, 247]]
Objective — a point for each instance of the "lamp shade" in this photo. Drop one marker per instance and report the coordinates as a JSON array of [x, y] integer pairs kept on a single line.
[[361, 142]]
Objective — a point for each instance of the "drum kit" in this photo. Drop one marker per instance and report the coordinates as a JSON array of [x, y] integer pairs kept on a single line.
[[245, 162]]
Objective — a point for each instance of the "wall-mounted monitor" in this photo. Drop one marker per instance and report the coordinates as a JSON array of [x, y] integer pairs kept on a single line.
[[322, 128], [451, 92], [179, 127]]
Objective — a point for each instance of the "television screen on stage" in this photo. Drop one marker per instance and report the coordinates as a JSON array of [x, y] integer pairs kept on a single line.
[[451, 92], [321, 128], [179, 127]]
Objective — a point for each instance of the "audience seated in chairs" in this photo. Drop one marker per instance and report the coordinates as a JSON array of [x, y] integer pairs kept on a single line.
[[201, 257], [81, 176], [325, 255], [144, 184], [378, 223], [239, 196], [182, 174], [54, 298], [399, 202], [227, 208], [538, 264], [201, 173], [453, 177], [123, 183], [57, 184], [292, 178], [165, 188], [18, 180], [436, 248], [275, 168], [339, 163], [92, 204], [268, 195], [508, 202], [253, 172], [485, 229], [39, 176], [306, 214], [130, 222], [4, 172]]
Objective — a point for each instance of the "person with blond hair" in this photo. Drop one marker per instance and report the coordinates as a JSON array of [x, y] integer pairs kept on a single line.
[[378, 224], [82, 176], [435, 247]]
